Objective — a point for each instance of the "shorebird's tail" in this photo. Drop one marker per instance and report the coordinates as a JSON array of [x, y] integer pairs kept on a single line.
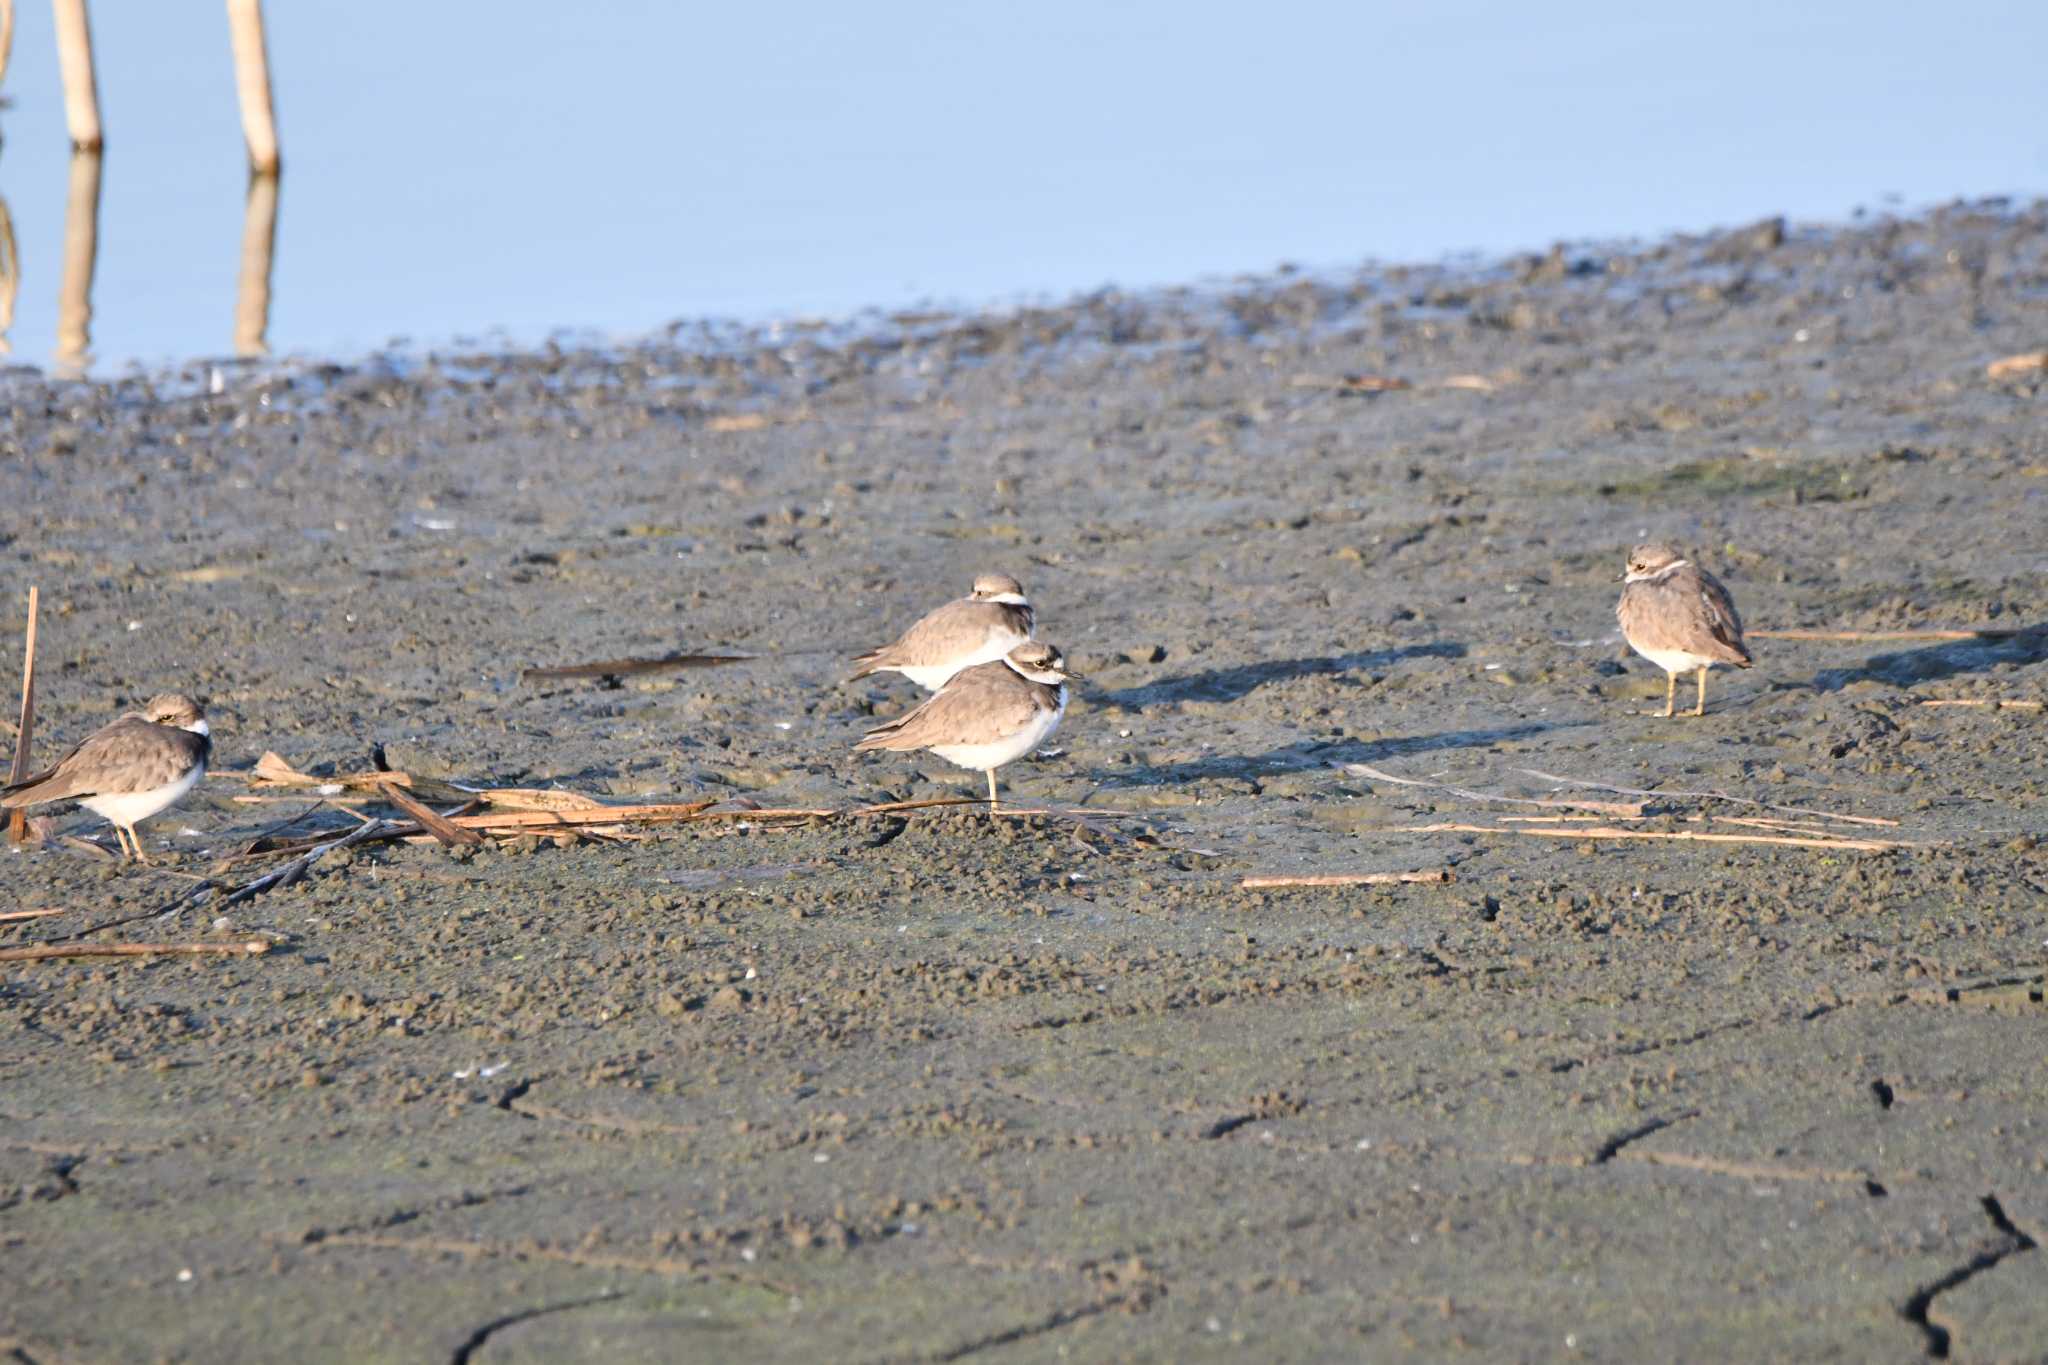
[[27, 791]]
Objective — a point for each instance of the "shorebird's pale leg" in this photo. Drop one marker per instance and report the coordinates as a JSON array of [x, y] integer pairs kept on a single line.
[[135, 838], [1670, 694], [1701, 709], [991, 791]]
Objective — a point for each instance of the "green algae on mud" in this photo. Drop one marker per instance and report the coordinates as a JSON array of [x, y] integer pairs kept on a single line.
[[936, 1086]]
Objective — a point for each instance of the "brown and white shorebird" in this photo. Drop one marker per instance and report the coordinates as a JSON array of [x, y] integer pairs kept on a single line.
[[987, 715], [979, 628], [128, 770], [1679, 617]]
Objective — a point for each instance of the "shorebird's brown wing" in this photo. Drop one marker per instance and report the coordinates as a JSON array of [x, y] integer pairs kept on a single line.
[[943, 634], [979, 706], [130, 755], [1719, 620]]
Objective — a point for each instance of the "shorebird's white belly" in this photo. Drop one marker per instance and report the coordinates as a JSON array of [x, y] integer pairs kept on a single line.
[[988, 757], [1675, 660], [129, 808], [932, 677]]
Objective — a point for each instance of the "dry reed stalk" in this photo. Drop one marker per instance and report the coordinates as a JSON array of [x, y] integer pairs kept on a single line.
[[1995, 703], [623, 668], [1710, 795], [1615, 832], [1875, 636], [1624, 809], [254, 947], [1432, 874], [446, 831]]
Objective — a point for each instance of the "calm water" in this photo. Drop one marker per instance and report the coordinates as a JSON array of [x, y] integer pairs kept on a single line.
[[512, 168]]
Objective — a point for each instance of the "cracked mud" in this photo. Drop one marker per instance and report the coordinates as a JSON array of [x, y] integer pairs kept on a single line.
[[927, 1086]]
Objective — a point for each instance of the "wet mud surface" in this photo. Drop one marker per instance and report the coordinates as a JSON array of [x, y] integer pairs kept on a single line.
[[927, 1086]]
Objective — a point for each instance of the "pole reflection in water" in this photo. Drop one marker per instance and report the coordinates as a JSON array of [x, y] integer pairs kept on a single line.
[[81, 252], [259, 244], [10, 272]]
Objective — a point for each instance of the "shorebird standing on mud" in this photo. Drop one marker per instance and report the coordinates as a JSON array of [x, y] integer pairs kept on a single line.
[[988, 715], [129, 770], [979, 628], [1680, 618]]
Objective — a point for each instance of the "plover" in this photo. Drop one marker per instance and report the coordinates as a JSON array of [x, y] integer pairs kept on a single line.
[[1679, 617], [129, 770], [979, 628], [987, 715]]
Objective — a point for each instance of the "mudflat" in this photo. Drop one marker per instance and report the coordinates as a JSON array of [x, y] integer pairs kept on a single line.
[[1744, 1060]]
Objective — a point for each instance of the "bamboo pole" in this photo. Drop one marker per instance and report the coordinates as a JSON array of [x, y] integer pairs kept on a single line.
[[252, 85], [17, 827], [6, 35], [81, 256], [81, 88], [259, 244]]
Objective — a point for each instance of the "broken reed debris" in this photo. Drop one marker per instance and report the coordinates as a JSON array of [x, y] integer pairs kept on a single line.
[[2018, 366], [1428, 874], [512, 812], [37, 952]]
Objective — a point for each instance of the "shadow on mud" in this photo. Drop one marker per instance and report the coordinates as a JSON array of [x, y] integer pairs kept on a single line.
[[1946, 660], [1317, 753], [1232, 684]]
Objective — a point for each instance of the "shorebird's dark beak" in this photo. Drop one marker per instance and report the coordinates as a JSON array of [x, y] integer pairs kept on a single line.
[[1621, 577], [1072, 676]]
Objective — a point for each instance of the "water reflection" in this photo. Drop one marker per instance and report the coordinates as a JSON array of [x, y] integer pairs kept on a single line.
[[72, 356], [259, 244], [10, 254], [81, 255]]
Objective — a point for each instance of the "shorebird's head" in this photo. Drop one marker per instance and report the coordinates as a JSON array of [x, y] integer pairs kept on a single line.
[[1651, 561], [1040, 662], [998, 587], [175, 708]]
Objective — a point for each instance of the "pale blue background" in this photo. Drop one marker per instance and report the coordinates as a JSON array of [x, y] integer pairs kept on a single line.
[[454, 168]]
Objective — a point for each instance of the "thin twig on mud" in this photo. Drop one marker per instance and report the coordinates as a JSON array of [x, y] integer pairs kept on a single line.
[[11, 915], [1709, 796], [1876, 636], [24, 732], [254, 947], [624, 668], [1430, 874], [1618, 808], [1995, 703], [1616, 832], [297, 867]]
